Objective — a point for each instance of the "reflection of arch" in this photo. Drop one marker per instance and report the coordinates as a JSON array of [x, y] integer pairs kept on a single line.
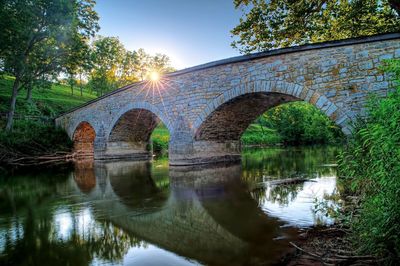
[[226, 198], [83, 139], [133, 184], [227, 116], [84, 175]]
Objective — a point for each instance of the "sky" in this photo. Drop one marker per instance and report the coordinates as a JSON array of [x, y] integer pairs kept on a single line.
[[190, 32]]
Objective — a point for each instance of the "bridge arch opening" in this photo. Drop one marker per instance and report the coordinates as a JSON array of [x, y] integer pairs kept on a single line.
[[217, 136], [83, 138], [131, 134], [228, 121]]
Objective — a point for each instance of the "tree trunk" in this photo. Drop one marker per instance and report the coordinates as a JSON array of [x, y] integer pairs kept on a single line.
[[29, 93], [10, 117]]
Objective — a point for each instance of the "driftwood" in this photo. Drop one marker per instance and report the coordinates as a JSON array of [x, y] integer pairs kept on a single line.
[[288, 181], [338, 258], [18, 159]]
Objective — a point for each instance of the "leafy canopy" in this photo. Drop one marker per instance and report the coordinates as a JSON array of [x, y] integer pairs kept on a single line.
[[268, 24]]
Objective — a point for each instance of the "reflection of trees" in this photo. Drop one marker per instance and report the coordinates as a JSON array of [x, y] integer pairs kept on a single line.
[[40, 243], [20, 192], [261, 166], [31, 236], [279, 163], [281, 194], [108, 242]]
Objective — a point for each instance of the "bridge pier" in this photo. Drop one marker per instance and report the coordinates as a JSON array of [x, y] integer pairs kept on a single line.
[[122, 150], [205, 152]]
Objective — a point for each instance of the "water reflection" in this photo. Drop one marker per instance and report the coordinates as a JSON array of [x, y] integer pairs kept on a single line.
[[292, 203], [145, 213]]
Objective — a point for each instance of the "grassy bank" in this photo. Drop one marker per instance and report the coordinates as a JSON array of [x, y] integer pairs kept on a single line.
[[257, 134], [33, 132], [370, 170], [46, 102]]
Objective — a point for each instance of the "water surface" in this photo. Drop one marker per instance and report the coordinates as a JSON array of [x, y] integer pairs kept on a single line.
[[145, 213]]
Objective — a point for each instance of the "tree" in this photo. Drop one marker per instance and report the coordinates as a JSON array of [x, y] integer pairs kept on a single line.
[[77, 59], [35, 34], [107, 57], [128, 67], [146, 64], [114, 66], [143, 63], [161, 63], [282, 23]]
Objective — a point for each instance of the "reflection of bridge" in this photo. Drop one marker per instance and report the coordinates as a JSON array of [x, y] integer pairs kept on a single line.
[[207, 215], [206, 108]]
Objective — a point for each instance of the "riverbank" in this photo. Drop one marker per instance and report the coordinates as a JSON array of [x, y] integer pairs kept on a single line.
[[329, 245]]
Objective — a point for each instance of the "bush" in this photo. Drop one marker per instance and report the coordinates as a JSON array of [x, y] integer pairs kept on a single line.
[[302, 123], [34, 138], [371, 164], [160, 139]]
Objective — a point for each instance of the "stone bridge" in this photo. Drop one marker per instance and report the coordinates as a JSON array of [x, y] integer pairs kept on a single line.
[[206, 108]]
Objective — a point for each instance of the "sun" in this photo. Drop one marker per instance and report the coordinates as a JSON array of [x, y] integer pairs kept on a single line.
[[154, 76]]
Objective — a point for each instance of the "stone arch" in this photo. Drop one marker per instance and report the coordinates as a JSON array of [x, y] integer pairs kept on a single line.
[[227, 116], [146, 107], [83, 138], [130, 129]]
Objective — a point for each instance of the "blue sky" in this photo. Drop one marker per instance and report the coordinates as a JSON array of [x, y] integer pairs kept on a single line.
[[191, 32]]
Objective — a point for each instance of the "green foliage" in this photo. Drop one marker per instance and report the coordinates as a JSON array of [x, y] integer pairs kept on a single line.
[[107, 55], [160, 138], [371, 165], [301, 123], [282, 23], [37, 36]]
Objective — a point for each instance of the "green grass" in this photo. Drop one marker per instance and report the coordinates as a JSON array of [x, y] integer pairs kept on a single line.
[[47, 102], [259, 135]]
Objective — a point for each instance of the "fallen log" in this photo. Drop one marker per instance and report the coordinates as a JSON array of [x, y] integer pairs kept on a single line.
[[281, 182]]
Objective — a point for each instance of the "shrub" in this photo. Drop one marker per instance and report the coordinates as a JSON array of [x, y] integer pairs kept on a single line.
[[301, 123], [160, 139], [34, 138]]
